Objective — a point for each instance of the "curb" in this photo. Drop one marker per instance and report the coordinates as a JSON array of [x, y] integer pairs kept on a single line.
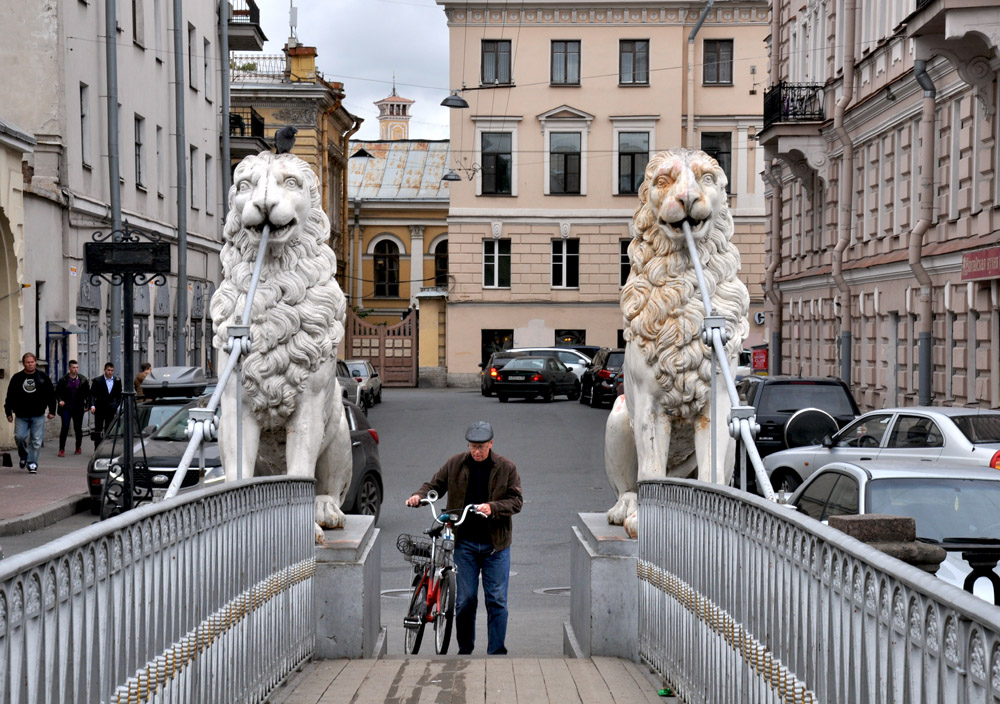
[[53, 513]]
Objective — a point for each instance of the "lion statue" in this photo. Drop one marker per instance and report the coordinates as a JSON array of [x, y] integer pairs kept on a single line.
[[668, 367], [293, 420]]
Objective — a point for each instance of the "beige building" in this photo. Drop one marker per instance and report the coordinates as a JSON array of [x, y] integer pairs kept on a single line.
[[565, 105], [881, 132], [54, 84]]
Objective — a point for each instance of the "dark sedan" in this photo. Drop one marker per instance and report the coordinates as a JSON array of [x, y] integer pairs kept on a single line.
[[527, 377]]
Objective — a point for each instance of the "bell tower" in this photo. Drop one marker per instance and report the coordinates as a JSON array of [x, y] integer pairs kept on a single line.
[[394, 115]]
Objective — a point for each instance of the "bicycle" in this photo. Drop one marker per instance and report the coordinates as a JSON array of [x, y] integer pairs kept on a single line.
[[433, 599]]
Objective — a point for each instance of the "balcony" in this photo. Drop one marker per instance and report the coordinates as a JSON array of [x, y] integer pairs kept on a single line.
[[246, 132], [964, 33], [244, 26], [793, 102]]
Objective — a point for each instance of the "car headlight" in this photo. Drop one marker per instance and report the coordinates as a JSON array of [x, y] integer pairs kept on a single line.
[[101, 464]]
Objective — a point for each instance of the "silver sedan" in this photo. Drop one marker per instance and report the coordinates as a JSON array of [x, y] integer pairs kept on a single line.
[[960, 437]]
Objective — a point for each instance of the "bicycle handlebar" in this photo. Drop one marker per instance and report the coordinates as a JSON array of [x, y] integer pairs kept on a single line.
[[432, 497]]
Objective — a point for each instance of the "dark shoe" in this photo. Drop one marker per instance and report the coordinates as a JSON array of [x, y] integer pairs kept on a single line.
[[33, 468], [22, 464], [464, 652], [76, 451], [62, 453]]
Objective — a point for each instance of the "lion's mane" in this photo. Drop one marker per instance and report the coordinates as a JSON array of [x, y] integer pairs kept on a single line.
[[298, 313], [662, 305]]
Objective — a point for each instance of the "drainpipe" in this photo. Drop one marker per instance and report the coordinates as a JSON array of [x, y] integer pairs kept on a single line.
[[690, 86], [225, 76], [775, 43], [846, 191], [772, 292], [180, 85], [346, 148], [926, 156]]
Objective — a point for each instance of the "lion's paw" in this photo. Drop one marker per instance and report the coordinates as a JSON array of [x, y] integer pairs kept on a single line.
[[631, 525], [320, 535], [627, 504], [328, 513]]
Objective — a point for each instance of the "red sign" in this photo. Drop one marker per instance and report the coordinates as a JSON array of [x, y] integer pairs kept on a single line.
[[760, 359], [981, 264]]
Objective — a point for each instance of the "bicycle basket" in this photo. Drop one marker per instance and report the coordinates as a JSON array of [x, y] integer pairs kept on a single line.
[[415, 548]]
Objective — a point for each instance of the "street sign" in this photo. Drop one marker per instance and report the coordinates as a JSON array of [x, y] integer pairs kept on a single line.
[[760, 359], [981, 264], [127, 257]]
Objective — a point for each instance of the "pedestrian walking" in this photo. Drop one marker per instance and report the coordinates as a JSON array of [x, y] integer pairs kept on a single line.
[[29, 395], [105, 395], [73, 396], [482, 543], [144, 371]]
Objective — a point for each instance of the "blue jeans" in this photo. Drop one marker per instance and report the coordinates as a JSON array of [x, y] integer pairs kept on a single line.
[[471, 559], [28, 434]]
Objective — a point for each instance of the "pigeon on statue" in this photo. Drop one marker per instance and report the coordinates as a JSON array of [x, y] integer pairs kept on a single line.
[[284, 139]]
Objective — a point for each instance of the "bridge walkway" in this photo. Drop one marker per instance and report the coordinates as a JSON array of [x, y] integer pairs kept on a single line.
[[490, 680]]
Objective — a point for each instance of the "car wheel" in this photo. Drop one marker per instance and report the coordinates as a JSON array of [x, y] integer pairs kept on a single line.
[[576, 392], [785, 479], [484, 391], [549, 394], [594, 402], [378, 396], [95, 506], [503, 398], [369, 501]]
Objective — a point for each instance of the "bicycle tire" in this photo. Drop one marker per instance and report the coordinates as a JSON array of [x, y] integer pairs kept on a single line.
[[418, 610], [446, 613]]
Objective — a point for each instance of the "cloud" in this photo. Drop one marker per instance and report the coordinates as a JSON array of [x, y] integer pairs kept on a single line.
[[361, 43]]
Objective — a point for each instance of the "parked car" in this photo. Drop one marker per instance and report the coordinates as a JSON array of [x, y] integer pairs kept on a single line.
[[488, 373], [527, 377], [350, 388], [576, 361], [955, 507], [961, 437], [165, 449], [598, 383], [589, 350], [367, 376]]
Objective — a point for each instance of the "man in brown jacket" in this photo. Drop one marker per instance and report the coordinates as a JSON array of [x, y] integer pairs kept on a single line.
[[482, 543]]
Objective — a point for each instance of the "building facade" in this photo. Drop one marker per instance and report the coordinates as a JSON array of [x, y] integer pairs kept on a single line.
[[880, 140], [55, 86], [565, 106]]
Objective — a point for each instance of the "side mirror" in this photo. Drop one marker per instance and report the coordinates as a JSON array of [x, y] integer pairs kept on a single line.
[[827, 441], [149, 429], [375, 373]]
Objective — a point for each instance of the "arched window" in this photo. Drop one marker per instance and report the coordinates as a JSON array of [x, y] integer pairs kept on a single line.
[[387, 269], [441, 264]]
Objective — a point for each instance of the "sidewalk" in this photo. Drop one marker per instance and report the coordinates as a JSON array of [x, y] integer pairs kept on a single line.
[[59, 489]]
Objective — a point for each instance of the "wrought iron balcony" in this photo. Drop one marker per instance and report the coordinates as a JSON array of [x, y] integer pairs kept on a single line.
[[245, 122], [244, 26], [793, 102]]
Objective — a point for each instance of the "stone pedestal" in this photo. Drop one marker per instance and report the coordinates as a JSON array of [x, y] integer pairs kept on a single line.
[[604, 601], [346, 594]]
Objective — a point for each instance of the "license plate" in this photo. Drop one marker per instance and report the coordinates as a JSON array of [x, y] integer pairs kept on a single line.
[[515, 378]]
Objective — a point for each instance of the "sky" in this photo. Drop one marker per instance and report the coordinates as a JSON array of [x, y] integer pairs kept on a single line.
[[361, 43]]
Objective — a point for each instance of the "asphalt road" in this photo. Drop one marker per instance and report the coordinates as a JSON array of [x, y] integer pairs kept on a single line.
[[559, 452]]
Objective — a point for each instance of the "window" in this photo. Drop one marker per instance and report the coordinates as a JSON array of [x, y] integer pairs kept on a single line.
[[441, 264], [564, 162], [160, 156], [387, 269], [496, 263], [138, 29], [633, 154], [158, 29], [566, 263], [496, 61], [719, 146], [866, 432], [813, 500], [624, 264], [915, 432], [207, 69], [718, 62], [209, 185], [192, 66], [566, 63], [140, 151], [497, 160], [570, 337], [85, 124], [633, 62], [193, 170]]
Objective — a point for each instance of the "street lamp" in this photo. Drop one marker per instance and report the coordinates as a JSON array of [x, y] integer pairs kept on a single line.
[[469, 171], [456, 101]]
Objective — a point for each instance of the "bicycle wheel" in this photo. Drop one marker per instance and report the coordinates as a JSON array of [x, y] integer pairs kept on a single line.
[[446, 613], [413, 634]]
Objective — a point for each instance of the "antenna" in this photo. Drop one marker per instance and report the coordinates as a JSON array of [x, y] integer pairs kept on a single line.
[[293, 21]]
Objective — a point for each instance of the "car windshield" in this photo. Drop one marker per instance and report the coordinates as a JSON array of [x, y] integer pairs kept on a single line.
[[526, 363], [979, 428], [616, 359], [174, 428], [789, 398], [942, 508]]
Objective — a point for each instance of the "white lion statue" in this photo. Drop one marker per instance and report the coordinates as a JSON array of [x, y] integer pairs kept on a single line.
[[668, 367], [293, 420]]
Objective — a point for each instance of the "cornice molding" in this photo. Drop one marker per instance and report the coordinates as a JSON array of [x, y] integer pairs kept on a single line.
[[596, 13]]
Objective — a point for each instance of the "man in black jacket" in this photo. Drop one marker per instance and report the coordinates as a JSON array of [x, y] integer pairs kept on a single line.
[[29, 394], [73, 393], [482, 543], [106, 395]]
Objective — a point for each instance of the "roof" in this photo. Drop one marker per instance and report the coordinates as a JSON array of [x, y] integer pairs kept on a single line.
[[949, 411], [405, 169], [913, 469]]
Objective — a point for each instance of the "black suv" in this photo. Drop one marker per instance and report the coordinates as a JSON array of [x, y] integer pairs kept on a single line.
[[496, 362], [599, 380], [776, 399]]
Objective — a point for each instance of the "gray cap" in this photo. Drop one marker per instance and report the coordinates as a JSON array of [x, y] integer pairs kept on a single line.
[[480, 431]]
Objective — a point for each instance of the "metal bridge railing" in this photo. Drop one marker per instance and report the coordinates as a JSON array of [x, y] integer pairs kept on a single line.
[[744, 600], [204, 598]]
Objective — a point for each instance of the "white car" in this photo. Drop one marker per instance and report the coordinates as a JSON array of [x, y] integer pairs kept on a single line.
[[958, 437], [367, 377], [577, 362]]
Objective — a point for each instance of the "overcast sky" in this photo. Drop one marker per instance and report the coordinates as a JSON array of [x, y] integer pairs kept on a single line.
[[362, 42]]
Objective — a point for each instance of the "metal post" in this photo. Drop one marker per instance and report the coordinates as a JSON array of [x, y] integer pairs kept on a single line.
[[128, 391], [114, 182], [180, 334], [224, 57]]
